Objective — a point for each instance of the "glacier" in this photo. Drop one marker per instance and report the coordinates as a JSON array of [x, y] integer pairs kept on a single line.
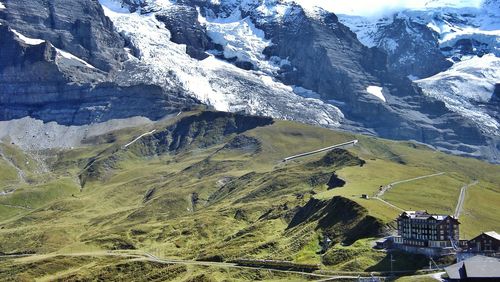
[[468, 84], [465, 87], [216, 82]]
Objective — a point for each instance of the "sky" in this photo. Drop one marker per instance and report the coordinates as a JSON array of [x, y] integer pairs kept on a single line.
[[376, 7]]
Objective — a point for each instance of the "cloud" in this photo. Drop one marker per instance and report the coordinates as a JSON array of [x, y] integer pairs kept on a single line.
[[377, 7]]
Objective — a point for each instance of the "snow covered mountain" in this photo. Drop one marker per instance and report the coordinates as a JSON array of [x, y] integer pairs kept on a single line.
[[215, 82], [468, 88], [152, 58], [451, 51]]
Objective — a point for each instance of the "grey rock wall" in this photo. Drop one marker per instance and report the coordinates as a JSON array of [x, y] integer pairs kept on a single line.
[[34, 83]]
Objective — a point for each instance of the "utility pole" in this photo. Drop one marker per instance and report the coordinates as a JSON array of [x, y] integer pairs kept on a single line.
[[392, 270]]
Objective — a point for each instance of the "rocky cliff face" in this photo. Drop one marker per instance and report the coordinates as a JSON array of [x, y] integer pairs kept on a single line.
[[186, 29], [70, 84], [413, 48], [325, 57], [451, 52], [79, 27], [111, 58]]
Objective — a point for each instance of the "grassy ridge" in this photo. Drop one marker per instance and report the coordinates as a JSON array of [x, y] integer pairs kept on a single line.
[[109, 268], [401, 160], [221, 193]]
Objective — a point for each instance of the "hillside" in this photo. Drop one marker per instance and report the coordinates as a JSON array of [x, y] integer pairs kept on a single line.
[[103, 63], [212, 186]]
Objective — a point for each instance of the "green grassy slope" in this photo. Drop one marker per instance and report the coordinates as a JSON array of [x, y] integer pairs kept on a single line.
[[213, 186], [115, 268]]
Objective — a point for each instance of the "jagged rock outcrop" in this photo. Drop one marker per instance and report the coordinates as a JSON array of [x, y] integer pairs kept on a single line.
[[335, 182], [453, 57], [413, 48], [341, 219], [188, 30], [324, 56], [43, 82], [57, 61], [134, 5], [244, 143], [496, 93], [338, 158], [199, 131], [291, 63], [203, 130], [78, 26]]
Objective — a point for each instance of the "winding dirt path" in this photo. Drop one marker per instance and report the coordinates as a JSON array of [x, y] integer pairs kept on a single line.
[[152, 258], [20, 175], [390, 186], [461, 198]]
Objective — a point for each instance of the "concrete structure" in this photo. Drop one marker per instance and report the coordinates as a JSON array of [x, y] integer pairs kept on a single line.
[[477, 268], [325, 244], [384, 243], [486, 244], [429, 234], [421, 229]]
